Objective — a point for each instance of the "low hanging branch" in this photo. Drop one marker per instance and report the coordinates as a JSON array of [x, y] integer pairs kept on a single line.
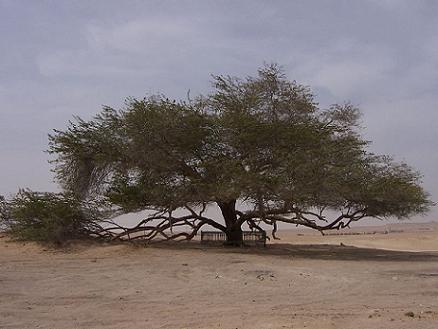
[[158, 226]]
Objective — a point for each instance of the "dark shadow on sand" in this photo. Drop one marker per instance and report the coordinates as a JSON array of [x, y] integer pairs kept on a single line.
[[288, 250], [313, 251], [334, 252]]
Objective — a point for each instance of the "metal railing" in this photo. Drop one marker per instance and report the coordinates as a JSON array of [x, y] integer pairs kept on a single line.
[[249, 237]]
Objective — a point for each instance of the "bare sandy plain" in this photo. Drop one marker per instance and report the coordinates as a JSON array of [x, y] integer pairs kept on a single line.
[[385, 277]]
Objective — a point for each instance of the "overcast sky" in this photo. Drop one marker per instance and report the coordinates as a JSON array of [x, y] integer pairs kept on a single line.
[[64, 58]]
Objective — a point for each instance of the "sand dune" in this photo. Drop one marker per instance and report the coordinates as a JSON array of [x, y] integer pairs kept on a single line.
[[403, 237], [302, 281]]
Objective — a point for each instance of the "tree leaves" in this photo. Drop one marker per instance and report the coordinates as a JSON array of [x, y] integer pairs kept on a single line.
[[261, 139]]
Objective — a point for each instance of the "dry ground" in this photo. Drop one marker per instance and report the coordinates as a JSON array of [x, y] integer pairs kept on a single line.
[[306, 281]]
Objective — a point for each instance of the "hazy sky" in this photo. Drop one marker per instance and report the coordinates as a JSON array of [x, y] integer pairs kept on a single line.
[[64, 58]]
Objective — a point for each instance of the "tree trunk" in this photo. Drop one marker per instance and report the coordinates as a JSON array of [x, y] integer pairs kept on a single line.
[[234, 236], [233, 226]]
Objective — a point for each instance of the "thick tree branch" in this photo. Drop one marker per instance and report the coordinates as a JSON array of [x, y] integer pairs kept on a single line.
[[149, 229]]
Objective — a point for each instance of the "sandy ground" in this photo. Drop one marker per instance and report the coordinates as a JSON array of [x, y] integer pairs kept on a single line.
[[302, 281]]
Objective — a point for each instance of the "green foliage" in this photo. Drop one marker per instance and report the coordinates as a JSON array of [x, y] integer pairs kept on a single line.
[[262, 140], [47, 217]]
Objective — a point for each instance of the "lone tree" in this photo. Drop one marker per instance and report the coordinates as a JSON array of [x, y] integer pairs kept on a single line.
[[259, 148]]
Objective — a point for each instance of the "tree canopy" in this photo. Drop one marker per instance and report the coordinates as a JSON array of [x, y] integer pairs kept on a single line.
[[259, 148]]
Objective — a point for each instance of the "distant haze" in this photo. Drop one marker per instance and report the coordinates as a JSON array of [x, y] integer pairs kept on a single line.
[[65, 58]]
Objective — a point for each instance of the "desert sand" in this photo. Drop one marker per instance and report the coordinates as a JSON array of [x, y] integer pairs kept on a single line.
[[384, 277]]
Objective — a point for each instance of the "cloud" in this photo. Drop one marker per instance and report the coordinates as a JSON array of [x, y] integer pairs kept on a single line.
[[139, 36], [69, 58], [346, 68]]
